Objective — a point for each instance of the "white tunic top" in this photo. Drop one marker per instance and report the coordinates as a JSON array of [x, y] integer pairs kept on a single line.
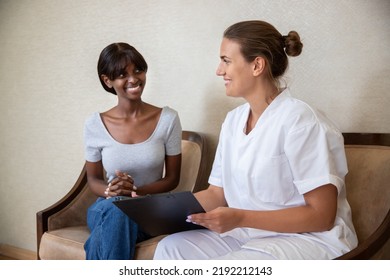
[[292, 150]]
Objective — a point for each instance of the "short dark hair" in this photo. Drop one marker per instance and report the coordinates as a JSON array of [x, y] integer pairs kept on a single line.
[[114, 59]]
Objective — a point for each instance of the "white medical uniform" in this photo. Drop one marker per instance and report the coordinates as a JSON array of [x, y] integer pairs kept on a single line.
[[292, 150]]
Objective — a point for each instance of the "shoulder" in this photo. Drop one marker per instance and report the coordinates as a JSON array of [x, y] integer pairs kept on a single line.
[[92, 120], [297, 114], [169, 121], [300, 116], [169, 115], [169, 112], [93, 125], [292, 106]]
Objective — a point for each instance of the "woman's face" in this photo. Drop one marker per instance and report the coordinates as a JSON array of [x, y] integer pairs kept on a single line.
[[235, 70], [130, 84]]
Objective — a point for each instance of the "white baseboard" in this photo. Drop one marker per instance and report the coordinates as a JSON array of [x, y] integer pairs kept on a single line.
[[17, 253]]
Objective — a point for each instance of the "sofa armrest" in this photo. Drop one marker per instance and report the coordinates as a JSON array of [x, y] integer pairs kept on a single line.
[[68, 211]]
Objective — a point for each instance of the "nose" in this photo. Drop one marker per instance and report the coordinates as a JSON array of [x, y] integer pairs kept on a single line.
[[220, 71], [132, 79]]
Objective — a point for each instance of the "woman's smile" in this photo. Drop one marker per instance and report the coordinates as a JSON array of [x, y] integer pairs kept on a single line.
[[133, 88]]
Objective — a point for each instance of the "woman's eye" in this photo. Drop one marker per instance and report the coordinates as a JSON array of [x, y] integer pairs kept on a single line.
[[225, 60]]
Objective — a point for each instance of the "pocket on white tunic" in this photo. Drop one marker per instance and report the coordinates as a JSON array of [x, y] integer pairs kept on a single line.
[[272, 179]]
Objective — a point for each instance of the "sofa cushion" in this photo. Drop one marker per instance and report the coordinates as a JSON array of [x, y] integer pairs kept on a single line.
[[64, 244], [68, 244], [145, 249]]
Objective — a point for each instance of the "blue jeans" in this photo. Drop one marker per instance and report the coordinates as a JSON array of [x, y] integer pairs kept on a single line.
[[113, 234]]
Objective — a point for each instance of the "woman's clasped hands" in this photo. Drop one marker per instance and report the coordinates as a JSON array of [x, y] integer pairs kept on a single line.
[[121, 185]]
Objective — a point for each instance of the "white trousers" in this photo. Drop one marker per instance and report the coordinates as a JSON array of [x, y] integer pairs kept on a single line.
[[208, 245]]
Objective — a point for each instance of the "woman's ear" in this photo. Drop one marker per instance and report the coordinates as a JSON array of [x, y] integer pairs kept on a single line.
[[258, 66], [106, 80]]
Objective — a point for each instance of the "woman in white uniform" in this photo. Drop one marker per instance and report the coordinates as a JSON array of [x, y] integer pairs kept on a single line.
[[277, 183]]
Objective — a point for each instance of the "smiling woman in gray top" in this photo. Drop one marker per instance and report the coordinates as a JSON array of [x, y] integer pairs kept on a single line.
[[130, 144]]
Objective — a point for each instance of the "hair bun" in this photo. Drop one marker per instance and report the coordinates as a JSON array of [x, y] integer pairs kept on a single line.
[[293, 44]]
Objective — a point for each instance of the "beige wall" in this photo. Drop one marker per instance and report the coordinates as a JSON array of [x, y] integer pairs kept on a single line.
[[49, 85]]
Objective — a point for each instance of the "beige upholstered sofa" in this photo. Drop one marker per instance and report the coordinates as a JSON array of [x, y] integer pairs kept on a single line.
[[61, 229], [368, 192]]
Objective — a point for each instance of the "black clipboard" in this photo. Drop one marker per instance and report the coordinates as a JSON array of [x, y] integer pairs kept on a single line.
[[159, 214]]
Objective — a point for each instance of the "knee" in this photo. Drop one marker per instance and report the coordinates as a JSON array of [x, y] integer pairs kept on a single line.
[[166, 249], [105, 208]]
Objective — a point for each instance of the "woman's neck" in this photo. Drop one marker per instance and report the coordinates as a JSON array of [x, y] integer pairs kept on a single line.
[[129, 109], [261, 98]]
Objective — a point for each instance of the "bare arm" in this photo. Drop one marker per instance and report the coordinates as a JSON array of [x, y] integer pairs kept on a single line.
[[95, 178], [317, 215], [211, 198]]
